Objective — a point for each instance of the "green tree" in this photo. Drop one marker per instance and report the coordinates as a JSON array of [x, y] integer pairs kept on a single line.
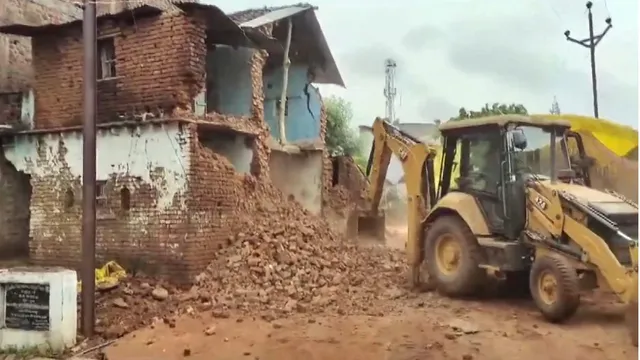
[[486, 110], [340, 139], [494, 109]]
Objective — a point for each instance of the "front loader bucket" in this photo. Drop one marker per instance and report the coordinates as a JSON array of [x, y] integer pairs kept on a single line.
[[367, 227]]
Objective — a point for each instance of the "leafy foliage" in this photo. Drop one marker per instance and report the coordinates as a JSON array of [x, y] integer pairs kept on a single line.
[[494, 109], [340, 139]]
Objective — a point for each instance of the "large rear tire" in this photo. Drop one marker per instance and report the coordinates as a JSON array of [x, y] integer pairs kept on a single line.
[[555, 287], [453, 256]]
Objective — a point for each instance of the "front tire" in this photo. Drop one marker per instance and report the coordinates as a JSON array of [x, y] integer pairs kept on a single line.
[[555, 287], [453, 256]]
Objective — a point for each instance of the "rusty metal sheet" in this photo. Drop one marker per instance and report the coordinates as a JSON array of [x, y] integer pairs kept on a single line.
[[274, 16]]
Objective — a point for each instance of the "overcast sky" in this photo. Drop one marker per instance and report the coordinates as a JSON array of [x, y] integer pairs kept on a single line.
[[454, 53]]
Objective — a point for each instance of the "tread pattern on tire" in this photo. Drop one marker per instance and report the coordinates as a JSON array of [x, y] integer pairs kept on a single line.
[[568, 287], [472, 277]]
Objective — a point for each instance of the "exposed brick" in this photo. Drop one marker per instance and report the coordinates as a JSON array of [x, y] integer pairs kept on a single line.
[[16, 73], [260, 164], [327, 167], [160, 67]]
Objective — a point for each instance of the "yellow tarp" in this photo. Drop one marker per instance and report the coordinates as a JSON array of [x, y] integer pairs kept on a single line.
[[108, 276], [618, 138]]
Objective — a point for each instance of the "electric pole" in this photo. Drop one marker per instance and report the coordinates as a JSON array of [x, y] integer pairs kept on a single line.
[[89, 38], [590, 43]]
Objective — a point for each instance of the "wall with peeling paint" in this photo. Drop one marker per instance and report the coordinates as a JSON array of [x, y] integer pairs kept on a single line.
[[303, 113], [136, 152], [141, 201]]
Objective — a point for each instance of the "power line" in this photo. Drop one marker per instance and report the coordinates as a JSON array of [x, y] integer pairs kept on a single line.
[[590, 43]]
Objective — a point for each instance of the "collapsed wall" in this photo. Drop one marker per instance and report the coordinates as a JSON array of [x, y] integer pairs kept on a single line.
[[270, 256], [347, 184], [278, 259]]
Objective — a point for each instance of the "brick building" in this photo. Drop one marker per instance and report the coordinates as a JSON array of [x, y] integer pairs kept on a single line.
[[176, 84], [16, 72]]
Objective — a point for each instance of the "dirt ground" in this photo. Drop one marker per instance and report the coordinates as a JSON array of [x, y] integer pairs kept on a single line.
[[422, 326]]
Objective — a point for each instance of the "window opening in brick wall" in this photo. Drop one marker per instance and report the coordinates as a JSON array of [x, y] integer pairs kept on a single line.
[[106, 58], [101, 193], [69, 198], [125, 198]]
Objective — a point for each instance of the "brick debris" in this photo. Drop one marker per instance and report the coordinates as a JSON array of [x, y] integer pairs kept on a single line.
[[279, 260]]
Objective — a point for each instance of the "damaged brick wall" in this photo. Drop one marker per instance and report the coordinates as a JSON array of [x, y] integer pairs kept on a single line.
[[11, 109], [160, 64], [16, 73], [138, 224], [327, 168], [213, 203], [176, 241], [140, 237], [15, 192], [260, 163], [349, 176]]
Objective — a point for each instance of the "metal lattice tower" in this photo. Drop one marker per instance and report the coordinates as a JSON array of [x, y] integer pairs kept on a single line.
[[390, 89]]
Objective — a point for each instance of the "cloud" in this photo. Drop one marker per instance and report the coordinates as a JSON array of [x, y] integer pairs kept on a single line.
[[419, 38], [523, 64], [368, 62], [471, 53], [437, 108]]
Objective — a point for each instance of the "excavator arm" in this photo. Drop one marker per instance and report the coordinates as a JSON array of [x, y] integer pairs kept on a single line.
[[416, 158]]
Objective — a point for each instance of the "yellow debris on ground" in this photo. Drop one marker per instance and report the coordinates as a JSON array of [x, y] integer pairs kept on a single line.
[[108, 276]]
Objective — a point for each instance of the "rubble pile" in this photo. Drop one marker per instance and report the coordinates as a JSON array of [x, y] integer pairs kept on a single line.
[[280, 260], [339, 200], [296, 264]]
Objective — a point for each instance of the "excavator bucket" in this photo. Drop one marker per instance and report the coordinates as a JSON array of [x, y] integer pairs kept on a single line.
[[367, 227]]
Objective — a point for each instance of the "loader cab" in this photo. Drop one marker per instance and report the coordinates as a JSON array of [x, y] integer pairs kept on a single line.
[[494, 159]]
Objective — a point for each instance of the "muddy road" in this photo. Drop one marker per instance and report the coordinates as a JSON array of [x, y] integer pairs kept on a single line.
[[427, 327], [421, 326]]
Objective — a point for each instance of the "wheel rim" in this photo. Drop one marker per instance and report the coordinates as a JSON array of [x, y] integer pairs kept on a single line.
[[448, 254], [548, 287]]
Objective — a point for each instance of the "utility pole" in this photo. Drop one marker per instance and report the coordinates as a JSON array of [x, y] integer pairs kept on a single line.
[[590, 43], [89, 40]]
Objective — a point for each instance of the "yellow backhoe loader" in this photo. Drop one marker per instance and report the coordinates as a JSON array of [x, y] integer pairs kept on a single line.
[[510, 212]]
